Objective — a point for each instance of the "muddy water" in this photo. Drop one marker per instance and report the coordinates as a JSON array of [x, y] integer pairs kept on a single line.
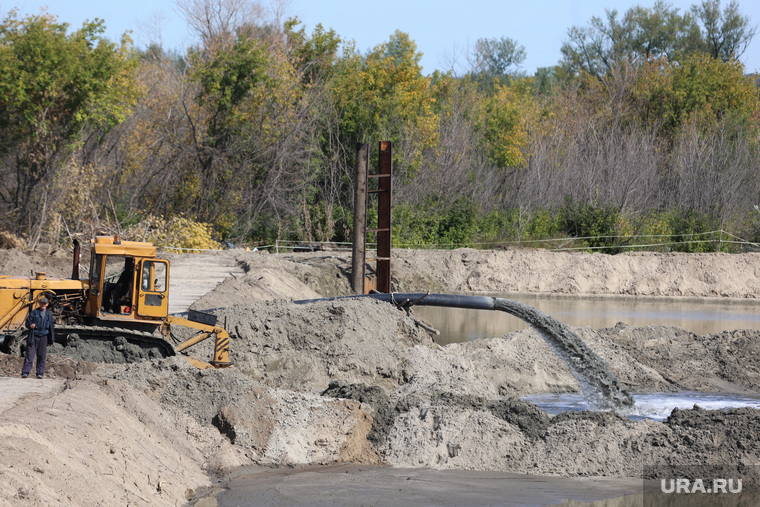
[[655, 406], [701, 316]]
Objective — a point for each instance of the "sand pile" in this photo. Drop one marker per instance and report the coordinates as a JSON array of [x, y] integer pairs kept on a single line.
[[470, 434], [723, 362], [56, 264], [92, 441], [271, 426], [304, 347], [441, 423], [542, 271], [15, 263]]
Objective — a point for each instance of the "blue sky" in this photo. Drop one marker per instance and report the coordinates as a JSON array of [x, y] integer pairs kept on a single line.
[[442, 29]]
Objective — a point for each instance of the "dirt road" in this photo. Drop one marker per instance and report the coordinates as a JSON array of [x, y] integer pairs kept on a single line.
[[192, 276]]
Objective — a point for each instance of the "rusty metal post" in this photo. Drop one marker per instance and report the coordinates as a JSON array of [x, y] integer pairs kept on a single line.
[[385, 168], [359, 252]]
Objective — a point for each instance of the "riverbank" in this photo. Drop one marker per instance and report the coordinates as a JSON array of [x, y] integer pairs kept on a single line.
[[362, 382]]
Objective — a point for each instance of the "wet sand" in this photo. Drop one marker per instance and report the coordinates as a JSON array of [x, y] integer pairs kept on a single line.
[[349, 485]]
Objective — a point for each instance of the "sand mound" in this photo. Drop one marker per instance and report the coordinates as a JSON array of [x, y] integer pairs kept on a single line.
[[15, 263], [261, 285], [94, 442], [452, 415], [304, 347], [56, 264], [272, 426], [724, 362]]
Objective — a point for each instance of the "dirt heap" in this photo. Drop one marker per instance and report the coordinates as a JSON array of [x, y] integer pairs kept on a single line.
[[267, 277], [304, 347], [722, 362], [456, 406], [459, 411], [92, 440], [15, 263], [56, 263], [272, 426], [523, 270], [261, 285], [462, 433]]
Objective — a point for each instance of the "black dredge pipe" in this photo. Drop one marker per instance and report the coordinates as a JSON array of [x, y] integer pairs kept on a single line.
[[598, 385], [422, 299]]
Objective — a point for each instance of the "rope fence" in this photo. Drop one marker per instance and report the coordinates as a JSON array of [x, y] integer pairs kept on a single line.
[[563, 244]]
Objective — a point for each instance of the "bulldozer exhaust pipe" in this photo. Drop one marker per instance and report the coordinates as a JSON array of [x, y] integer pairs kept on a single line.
[[75, 269]]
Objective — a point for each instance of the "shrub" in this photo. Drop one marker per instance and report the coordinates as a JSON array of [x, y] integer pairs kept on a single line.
[[597, 225], [174, 234], [689, 230]]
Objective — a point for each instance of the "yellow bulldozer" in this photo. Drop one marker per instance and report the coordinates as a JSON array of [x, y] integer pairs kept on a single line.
[[123, 305]]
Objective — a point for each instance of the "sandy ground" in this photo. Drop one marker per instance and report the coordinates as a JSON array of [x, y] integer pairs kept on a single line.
[[361, 382]]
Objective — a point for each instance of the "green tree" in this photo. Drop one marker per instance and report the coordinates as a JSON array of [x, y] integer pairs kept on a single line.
[[228, 77], [700, 88], [724, 34], [57, 90], [644, 33], [383, 95], [403, 50], [547, 79], [314, 55], [496, 59], [507, 113]]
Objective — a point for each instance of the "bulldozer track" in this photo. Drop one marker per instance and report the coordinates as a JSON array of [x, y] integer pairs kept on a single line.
[[106, 333]]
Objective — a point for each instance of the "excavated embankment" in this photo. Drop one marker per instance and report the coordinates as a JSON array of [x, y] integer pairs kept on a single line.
[[360, 381], [456, 406]]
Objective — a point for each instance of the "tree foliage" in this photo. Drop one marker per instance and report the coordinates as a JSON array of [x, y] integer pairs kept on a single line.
[[648, 125], [645, 33], [383, 95], [699, 87], [58, 90], [724, 34], [496, 59]]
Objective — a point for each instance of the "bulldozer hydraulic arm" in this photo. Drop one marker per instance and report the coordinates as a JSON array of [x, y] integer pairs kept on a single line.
[[221, 343], [22, 302]]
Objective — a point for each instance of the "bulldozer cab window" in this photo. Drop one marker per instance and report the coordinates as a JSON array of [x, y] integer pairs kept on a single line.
[[159, 280], [153, 276], [95, 268], [153, 297], [118, 295]]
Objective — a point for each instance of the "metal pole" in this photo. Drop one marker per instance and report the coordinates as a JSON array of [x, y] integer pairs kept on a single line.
[[385, 169], [359, 253]]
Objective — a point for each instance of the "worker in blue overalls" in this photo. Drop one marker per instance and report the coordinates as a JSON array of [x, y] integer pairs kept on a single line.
[[41, 334]]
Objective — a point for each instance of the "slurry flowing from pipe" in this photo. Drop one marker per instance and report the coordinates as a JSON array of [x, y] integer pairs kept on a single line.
[[597, 384], [602, 390]]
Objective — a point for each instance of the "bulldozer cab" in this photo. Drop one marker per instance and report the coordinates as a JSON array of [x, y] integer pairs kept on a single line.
[[127, 281]]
